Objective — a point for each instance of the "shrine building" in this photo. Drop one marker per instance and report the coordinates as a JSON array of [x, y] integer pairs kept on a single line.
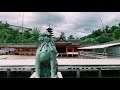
[[65, 47]]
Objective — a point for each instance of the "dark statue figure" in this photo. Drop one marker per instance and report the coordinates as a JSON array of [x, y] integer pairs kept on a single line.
[[46, 65], [62, 36]]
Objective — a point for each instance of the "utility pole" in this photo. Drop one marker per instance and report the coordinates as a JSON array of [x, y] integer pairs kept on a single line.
[[22, 25], [103, 26]]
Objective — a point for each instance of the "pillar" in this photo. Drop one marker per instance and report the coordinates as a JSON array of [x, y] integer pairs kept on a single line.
[[73, 49], [77, 73], [99, 73], [8, 73], [67, 51]]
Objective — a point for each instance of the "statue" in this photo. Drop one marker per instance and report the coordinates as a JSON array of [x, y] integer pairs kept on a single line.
[[62, 36], [46, 65]]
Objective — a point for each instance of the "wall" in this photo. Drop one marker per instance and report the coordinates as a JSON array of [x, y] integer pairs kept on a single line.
[[111, 51], [99, 50], [114, 51]]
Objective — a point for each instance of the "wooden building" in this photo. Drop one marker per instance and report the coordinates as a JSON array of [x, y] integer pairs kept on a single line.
[[64, 46], [67, 47], [24, 49], [109, 49], [19, 49]]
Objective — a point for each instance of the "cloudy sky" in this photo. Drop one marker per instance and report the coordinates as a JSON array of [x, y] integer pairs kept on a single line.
[[76, 23]]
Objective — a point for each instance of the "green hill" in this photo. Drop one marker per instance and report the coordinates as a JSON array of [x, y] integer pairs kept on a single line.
[[13, 34], [102, 35]]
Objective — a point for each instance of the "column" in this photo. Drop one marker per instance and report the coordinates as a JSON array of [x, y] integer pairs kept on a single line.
[[72, 51], [8, 73], [67, 51], [99, 73], [77, 73]]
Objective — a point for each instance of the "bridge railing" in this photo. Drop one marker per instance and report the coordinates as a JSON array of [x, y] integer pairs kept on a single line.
[[92, 55]]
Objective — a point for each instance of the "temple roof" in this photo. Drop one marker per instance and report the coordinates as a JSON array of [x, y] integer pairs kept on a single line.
[[62, 40]]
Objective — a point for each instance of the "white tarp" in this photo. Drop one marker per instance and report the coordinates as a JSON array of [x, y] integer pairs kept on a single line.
[[100, 46]]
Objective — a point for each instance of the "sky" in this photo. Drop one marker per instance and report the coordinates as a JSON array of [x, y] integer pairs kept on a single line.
[[78, 24]]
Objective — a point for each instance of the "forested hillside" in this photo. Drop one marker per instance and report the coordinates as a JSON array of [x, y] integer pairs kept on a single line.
[[10, 35], [102, 35]]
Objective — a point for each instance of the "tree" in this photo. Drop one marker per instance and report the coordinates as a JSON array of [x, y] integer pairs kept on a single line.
[[3, 35], [35, 35], [95, 33], [27, 34], [116, 34], [108, 29], [13, 36], [119, 24], [90, 41], [113, 28], [103, 39], [87, 41], [83, 38]]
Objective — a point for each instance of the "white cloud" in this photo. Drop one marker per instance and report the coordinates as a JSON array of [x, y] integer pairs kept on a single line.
[[76, 23], [81, 34]]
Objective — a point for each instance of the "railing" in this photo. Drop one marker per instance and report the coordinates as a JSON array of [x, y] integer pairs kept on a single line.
[[26, 52], [72, 53], [92, 55], [3, 52], [61, 54], [69, 53]]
